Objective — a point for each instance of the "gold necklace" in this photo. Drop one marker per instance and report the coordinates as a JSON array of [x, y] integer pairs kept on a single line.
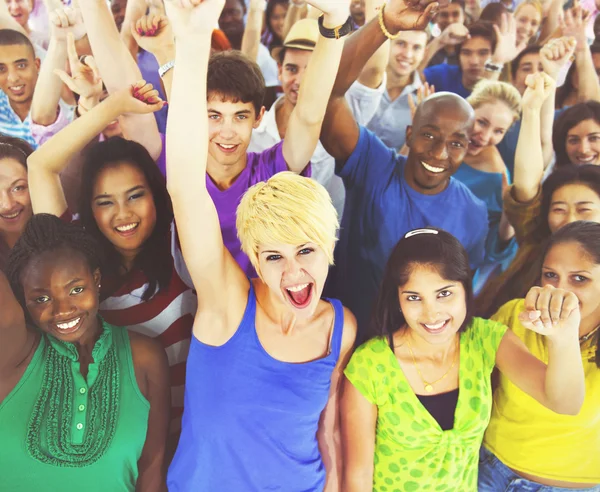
[[429, 386]]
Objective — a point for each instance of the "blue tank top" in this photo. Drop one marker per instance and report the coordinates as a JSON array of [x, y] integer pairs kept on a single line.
[[250, 421]]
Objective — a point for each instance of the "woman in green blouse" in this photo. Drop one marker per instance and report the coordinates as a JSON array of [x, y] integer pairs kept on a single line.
[[417, 395], [84, 406]]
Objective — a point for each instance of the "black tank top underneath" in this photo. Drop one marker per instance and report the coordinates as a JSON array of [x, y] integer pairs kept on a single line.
[[441, 407]]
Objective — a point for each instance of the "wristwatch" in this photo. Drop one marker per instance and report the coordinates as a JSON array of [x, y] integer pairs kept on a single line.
[[492, 67], [165, 68], [336, 32]]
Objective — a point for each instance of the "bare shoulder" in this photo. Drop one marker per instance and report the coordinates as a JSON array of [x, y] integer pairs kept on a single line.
[[147, 353], [496, 163]]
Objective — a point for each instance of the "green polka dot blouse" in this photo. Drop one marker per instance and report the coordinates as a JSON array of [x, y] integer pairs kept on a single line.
[[412, 453]]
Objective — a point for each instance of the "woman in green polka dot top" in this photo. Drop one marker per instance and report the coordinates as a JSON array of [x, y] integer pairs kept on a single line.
[[417, 395]]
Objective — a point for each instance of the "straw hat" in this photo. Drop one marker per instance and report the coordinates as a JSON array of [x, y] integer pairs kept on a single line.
[[302, 36]]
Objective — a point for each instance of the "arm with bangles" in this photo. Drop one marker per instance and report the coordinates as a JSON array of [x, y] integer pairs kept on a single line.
[[49, 160], [118, 71]]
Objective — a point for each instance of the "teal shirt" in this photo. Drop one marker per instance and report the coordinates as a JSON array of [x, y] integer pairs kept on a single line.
[[116, 470]]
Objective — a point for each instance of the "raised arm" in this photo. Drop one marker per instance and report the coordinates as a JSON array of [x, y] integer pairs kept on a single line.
[[64, 21], [48, 161], [153, 33], [372, 73], [529, 161], [507, 48], [118, 70], [254, 22], [296, 11], [554, 55], [220, 283], [340, 131], [453, 35], [305, 122]]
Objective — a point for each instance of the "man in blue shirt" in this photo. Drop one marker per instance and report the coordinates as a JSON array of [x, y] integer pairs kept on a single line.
[[387, 194]]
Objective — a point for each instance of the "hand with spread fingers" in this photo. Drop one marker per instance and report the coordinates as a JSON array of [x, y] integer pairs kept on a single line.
[[66, 20], [423, 93], [507, 48], [556, 53], [539, 86], [84, 79], [574, 23], [141, 98], [191, 19], [551, 312], [410, 15], [153, 32]]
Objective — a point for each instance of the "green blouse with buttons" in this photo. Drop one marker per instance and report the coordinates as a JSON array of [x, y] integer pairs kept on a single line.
[[61, 431], [412, 453]]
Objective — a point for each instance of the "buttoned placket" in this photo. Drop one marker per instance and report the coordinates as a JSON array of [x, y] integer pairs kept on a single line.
[[81, 401]]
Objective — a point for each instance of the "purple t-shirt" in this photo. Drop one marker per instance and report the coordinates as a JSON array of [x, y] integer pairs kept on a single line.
[[260, 167]]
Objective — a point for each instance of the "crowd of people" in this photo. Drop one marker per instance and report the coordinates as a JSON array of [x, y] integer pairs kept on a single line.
[[299, 245]]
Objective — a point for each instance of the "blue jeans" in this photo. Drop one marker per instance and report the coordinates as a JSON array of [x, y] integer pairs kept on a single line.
[[495, 476]]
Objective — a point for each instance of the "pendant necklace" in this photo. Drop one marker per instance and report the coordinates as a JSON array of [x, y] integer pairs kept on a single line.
[[429, 385]]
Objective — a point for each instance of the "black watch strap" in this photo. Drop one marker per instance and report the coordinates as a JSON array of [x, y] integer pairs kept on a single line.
[[336, 32]]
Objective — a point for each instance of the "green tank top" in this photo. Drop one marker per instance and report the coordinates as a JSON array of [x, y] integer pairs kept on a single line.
[[62, 432]]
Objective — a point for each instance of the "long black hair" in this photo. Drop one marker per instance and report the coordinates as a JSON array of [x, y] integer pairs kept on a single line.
[[587, 235], [429, 246], [570, 118], [44, 233], [154, 258]]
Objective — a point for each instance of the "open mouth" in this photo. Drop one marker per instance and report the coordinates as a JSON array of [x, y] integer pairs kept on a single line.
[[227, 148], [433, 169], [127, 230], [12, 215], [437, 327], [70, 326], [17, 90], [589, 159], [300, 295]]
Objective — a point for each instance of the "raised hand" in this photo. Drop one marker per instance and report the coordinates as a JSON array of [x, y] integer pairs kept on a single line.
[[539, 87], [423, 93], [574, 23], [410, 15], [84, 79], [551, 312], [336, 11], [454, 34], [507, 48], [556, 53], [193, 18], [66, 20], [153, 32], [140, 98]]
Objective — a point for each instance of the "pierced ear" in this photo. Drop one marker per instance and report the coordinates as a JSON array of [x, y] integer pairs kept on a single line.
[[97, 277]]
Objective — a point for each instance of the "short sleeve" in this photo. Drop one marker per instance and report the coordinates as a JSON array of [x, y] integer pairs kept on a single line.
[[364, 101], [370, 164], [360, 371], [270, 162]]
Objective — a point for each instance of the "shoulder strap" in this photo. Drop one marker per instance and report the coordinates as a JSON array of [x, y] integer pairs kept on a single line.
[[338, 327]]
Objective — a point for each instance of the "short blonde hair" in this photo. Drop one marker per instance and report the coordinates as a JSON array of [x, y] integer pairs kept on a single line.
[[488, 91], [287, 209], [536, 4]]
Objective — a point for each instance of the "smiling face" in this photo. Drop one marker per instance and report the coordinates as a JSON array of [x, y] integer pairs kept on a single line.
[[277, 20], [15, 203], [573, 202], [529, 64], [492, 121], [357, 11], [528, 20], [123, 207], [451, 14], [438, 143], [61, 295], [19, 10], [583, 143], [231, 21], [434, 308], [407, 52], [294, 274], [18, 72], [473, 55], [568, 266], [292, 71], [230, 129]]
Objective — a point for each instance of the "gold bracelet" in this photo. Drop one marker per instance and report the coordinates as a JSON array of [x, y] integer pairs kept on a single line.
[[382, 25]]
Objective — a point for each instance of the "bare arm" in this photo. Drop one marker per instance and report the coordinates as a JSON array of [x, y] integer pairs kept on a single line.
[[529, 160], [150, 362], [295, 12], [118, 70], [560, 385], [304, 126], [372, 73], [48, 161], [551, 20], [14, 336], [328, 435], [453, 35], [134, 10], [218, 279], [254, 22], [359, 420]]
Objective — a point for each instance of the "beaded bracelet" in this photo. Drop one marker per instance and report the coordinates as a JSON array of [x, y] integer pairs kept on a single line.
[[382, 25]]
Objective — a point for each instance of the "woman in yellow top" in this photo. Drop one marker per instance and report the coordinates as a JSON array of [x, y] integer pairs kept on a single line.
[[526, 446]]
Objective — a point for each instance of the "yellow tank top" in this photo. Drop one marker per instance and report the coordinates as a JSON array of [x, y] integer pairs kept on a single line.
[[528, 437]]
